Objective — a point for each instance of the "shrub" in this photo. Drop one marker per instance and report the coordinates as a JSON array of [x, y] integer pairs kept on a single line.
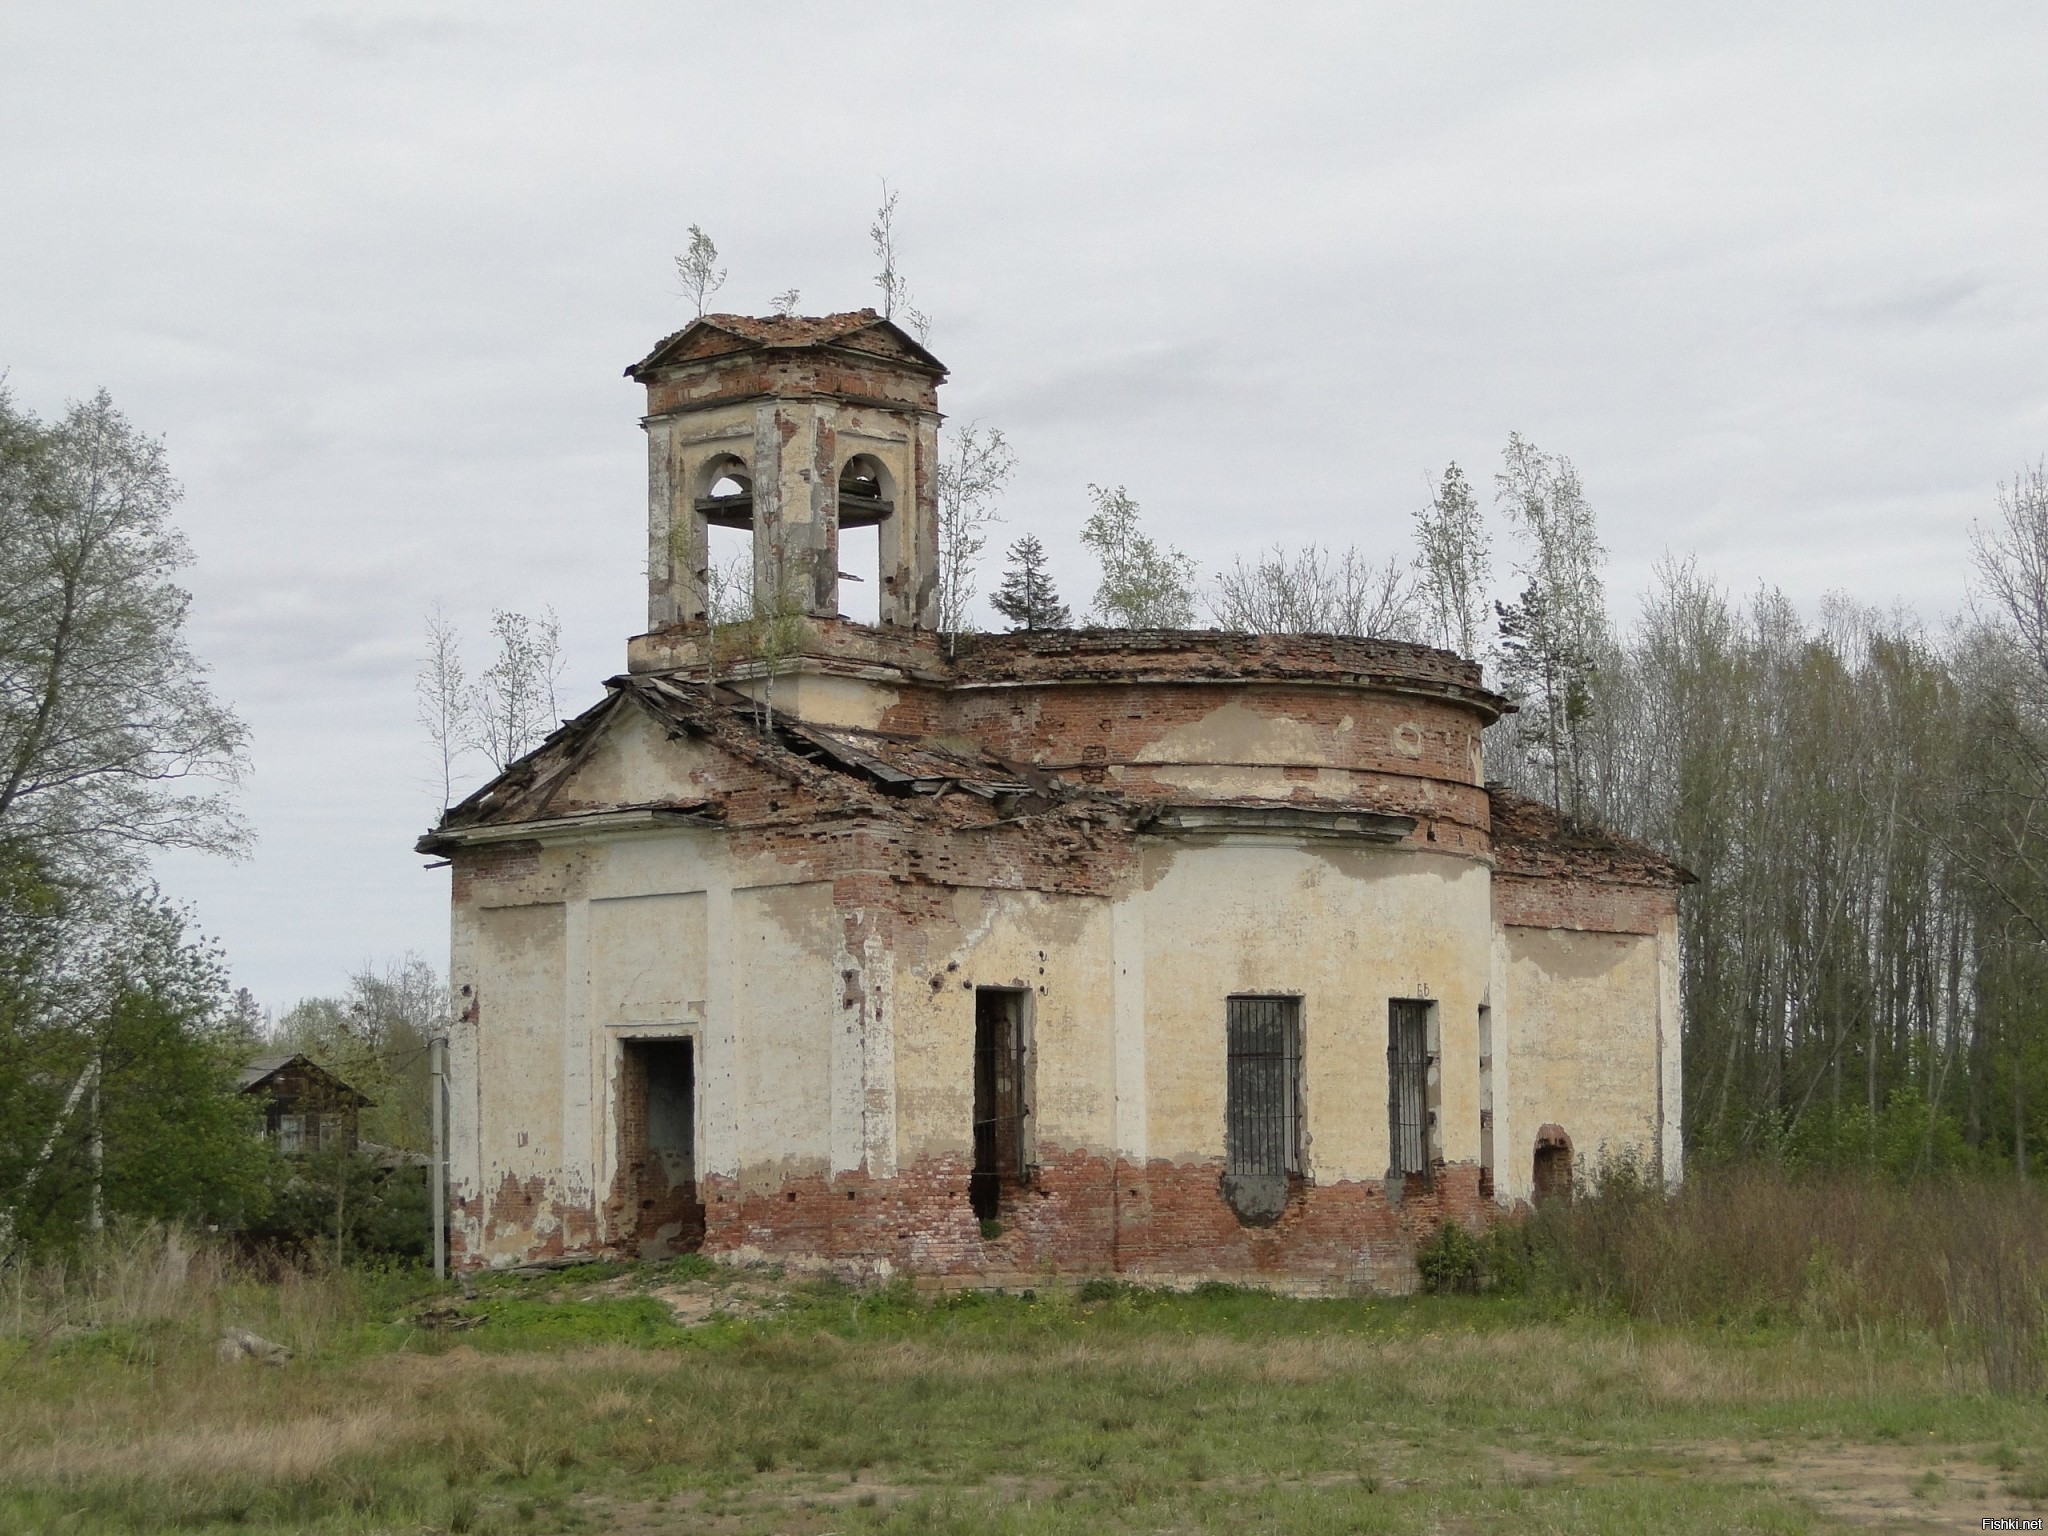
[[1451, 1261], [345, 1205]]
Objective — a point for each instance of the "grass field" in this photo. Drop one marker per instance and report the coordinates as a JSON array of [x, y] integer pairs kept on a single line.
[[682, 1397]]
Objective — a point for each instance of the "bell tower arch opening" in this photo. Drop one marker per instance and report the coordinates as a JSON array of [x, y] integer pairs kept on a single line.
[[724, 508], [865, 500]]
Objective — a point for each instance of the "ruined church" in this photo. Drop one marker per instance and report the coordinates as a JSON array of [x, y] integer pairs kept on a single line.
[[1173, 956]]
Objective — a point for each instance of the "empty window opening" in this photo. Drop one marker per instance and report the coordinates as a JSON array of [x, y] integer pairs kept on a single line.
[[1485, 1101], [1551, 1178], [1001, 1107], [860, 573], [1262, 1105], [658, 1132], [1410, 1123], [725, 492], [729, 574]]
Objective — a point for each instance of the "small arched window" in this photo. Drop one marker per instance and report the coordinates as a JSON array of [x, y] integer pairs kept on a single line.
[[866, 492], [1553, 1169], [725, 492]]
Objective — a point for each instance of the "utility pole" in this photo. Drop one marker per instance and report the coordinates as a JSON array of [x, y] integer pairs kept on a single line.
[[98, 1219], [437, 1055]]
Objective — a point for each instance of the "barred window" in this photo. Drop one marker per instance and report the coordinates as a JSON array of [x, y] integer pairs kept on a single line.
[[1000, 1107], [1408, 1085], [1262, 1104]]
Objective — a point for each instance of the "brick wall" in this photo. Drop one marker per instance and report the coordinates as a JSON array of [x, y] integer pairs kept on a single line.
[[1084, 1215], [1587, 905]]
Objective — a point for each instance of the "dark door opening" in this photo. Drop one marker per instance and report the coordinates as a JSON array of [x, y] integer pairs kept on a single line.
[[658, 1129], [1261, 1105], [1408, 1089], [999, 1099]]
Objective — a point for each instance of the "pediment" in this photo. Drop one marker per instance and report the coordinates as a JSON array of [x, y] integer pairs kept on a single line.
[[634, 759]]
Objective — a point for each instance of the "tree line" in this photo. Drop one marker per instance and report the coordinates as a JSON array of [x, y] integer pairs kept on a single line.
[[121, 1037]]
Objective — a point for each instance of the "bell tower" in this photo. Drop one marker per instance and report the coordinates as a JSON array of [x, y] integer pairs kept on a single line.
[[792, 427]]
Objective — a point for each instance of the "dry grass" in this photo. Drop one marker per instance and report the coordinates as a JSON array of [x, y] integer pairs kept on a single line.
[[831, 1411], [134, 1280], [265, 1452], [1965, 1259]]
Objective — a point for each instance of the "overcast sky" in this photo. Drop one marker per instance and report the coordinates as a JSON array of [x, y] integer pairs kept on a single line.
[[1774, 278]]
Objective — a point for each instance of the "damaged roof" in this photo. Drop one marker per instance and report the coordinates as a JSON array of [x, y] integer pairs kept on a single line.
[[859, 330], [1124, 655], [843, 770], [1539, 841]]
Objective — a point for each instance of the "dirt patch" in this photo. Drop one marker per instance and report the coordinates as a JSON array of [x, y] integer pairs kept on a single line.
[[1898, 1487], [737, 1293], [697, 1301], [1888, 1487]]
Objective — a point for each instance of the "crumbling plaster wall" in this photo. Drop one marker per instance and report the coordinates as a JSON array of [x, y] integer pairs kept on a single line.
[[563, 955], [1588, 1020], [1130, 996], [1060, 950], [1343, 926]]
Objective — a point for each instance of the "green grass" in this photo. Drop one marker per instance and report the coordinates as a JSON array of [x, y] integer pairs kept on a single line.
[[576, 1401]]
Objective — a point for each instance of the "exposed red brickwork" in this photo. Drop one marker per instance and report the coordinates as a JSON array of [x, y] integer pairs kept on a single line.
[[1083, 1216], [505, 862], [644, 1214], [1065, 726], [526, 1209], [750, 375], [1587, 905], [1126, 655]]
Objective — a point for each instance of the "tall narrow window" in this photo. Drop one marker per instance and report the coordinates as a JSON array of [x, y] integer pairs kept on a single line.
[[1262, 1105], [1485, 1100], [999, 1098], [1408, 1085]]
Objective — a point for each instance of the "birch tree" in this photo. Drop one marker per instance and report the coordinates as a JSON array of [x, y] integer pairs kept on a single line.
[[971, 478], [513, 707], [1552, 636], [112, 742], [1454, 559], [1143, 586], [699, 270], [441, 702], [889, 279]]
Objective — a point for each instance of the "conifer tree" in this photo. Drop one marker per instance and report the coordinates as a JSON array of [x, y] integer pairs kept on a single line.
[[1027, 597]]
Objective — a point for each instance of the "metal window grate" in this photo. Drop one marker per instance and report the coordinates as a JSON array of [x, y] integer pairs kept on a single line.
[[1408, 1085], [999, 1108], [1262, 1110]]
